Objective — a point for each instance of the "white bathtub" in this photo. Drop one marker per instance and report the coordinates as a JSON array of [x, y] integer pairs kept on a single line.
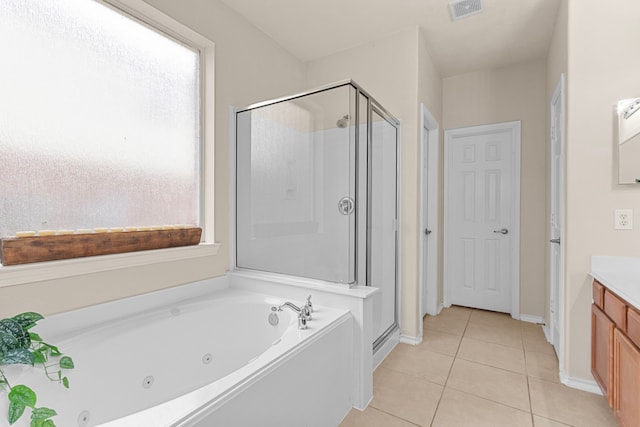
[[210, 361]]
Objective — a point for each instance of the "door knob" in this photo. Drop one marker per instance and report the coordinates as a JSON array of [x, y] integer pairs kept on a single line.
[[346, 205], [502, 231], [555, 240]]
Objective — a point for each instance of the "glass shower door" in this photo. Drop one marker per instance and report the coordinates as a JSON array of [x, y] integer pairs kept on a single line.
[[382, 262], [295, 197]]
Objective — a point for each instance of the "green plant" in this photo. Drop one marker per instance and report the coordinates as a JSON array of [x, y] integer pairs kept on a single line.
[[18, 346]]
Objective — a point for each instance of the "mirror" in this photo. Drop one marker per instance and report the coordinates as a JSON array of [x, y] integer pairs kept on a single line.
[[629, 141]]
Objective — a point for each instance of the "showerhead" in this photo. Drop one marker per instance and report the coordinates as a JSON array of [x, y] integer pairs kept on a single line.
[[344, 121]]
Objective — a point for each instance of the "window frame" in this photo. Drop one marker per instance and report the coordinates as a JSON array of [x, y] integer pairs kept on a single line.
[[151, 17]]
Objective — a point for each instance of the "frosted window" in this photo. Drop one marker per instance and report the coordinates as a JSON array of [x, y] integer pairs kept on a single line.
[[99, 120]]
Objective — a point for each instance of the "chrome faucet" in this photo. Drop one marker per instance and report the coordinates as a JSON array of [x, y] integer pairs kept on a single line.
[[309, 305], [292, 306], [304, 312]]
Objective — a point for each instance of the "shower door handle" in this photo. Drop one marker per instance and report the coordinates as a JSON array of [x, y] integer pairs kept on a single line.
[[346, 206]]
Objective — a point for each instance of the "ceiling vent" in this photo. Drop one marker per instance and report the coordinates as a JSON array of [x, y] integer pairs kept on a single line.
[[463, 8]]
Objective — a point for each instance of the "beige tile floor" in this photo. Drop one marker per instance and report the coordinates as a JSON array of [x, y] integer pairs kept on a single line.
[[477, 368]]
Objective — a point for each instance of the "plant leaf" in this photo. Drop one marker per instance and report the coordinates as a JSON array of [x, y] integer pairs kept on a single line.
[[15, 412], [23, 395], [38, 357], [27, 320], [53, 350], [42, 413], [11, 327], [42, 423], [65, 382], [35, 337], [7, 342], [17, 356], [66, 362]]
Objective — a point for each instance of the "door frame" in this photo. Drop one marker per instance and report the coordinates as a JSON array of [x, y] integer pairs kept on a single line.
[[429, 213], [557, 97], [515, 128]]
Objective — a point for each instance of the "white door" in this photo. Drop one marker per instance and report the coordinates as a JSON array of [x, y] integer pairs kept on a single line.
[[482, 216], [426, 231], [555, 216], [430, 300]]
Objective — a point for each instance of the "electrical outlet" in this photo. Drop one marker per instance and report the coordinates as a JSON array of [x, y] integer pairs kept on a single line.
[[623, 219]]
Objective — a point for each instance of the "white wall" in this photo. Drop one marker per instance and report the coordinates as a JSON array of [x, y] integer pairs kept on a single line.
[[602, 68], [249, 67]]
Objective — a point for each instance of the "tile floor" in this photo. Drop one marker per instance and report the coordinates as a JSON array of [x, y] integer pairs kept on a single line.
[[477, 368]]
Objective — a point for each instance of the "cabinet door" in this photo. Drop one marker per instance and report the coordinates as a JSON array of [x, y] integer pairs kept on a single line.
[[626, 373], [602, 351]]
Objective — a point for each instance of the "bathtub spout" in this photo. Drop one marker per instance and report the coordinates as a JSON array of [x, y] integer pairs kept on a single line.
[[290, 305]]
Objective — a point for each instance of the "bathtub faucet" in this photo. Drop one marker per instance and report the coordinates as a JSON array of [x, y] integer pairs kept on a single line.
[[304, 312], [302, 318]]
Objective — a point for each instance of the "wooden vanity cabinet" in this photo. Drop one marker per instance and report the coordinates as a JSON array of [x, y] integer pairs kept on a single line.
[[616, 309], [602, 351], [633, 326], [615, 353], [626, 382], [598, 294]]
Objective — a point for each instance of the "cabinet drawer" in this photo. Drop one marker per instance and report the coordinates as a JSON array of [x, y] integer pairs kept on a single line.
[[598, 294], [616, 309], [633, 326]]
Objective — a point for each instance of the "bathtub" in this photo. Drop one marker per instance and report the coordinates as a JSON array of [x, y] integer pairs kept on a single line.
[[214, 360]]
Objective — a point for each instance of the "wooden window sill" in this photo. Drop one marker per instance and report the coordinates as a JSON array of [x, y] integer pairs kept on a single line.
[[24, 250], [89, 263]]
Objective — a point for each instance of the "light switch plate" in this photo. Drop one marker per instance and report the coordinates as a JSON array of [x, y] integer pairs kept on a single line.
[[623, 219]]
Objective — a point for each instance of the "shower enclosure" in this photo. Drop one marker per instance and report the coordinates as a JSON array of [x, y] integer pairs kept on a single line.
[[316, 192]]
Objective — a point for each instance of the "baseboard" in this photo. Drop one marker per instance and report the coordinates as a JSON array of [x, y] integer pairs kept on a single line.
[[362, 409], [406, 339], [547, 333], [532, 319], [580, 383], [440, 307]]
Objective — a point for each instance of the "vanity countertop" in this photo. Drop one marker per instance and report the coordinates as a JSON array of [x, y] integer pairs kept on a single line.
[[620, 274]]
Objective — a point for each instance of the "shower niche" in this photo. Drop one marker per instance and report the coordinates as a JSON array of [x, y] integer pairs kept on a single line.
[[317, 192]]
